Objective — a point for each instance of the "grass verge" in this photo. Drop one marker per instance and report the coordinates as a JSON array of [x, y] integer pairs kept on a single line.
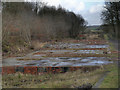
[[61, 80], [111, 80]]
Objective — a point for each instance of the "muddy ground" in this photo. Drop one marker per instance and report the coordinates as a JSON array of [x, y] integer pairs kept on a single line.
[[91, 57], [66, 54]]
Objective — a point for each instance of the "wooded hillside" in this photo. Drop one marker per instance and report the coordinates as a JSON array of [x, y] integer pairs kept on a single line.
[[25, 22]]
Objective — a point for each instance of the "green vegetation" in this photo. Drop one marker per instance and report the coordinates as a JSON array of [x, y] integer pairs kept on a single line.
[[106, 37], [111, 80], [111, 46], [31, 26], [111, 19], [63, 80]]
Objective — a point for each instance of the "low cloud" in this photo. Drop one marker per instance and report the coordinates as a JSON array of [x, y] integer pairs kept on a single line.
[[52, 2], [90, 10], [96, 8], [74, 5]]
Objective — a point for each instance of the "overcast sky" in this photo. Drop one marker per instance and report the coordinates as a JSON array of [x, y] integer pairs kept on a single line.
[[89, 10]]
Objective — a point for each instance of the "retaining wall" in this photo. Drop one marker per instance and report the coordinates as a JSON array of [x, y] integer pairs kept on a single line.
[[41, 70]]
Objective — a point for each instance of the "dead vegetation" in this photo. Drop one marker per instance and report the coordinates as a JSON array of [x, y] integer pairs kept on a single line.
[[25, 28], [62, 80], [37, 45]]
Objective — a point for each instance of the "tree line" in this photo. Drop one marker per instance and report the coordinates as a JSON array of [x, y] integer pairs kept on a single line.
[[111, 19], [24, 22]]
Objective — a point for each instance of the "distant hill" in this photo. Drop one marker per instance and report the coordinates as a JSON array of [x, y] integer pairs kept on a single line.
[[95, 27]]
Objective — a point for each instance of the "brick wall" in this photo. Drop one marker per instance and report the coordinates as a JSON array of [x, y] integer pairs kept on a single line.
[[41, 70]]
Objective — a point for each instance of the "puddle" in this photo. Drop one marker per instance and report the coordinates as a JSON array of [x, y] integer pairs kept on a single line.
[[63, 57], [90, 51], [74, 61], [64, 64], [69, 51], [63, 61], [40, 58], [31, 64], [76, 45], [39, 55], [101, 62], [93, 63], [97, 46], [75, 58], [44, 61], [85, 60]]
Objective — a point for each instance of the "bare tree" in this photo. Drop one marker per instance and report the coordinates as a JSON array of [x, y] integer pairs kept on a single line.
[[111, 16]]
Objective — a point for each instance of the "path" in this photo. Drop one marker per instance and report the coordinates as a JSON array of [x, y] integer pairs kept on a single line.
[[0, 81], [97, 84], [116, 45], [0, 71]]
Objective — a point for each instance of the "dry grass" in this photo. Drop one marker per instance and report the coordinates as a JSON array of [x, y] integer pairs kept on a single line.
[[93, 36], [38, 45], [60, 80]]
